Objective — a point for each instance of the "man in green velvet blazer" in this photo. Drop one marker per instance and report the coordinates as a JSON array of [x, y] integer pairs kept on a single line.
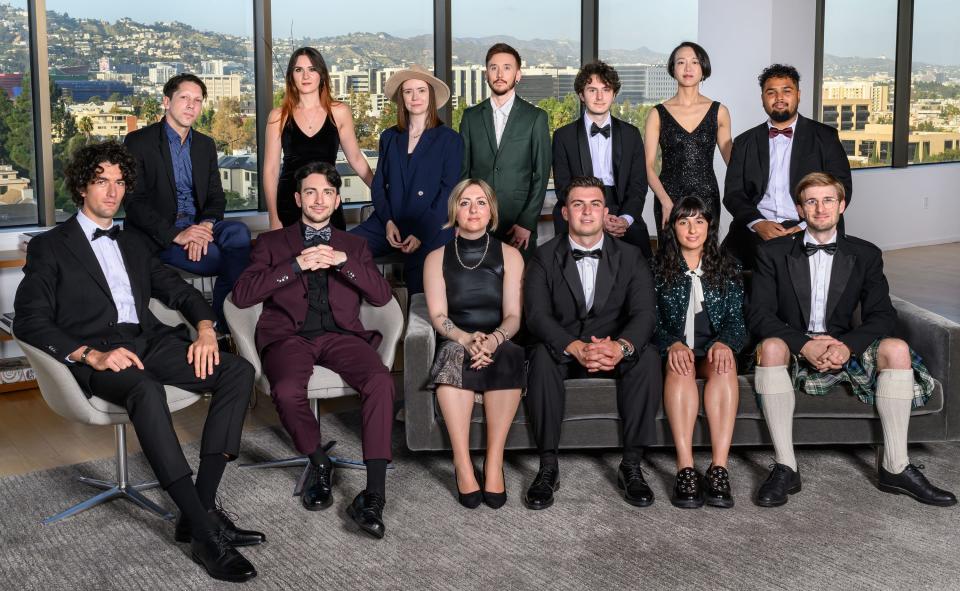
[[507, 144]]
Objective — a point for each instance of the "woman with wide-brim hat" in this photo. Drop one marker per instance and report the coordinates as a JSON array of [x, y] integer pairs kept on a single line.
[[420, 160]]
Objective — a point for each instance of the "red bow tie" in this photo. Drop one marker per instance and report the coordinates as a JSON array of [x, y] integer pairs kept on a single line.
[[787, 132]]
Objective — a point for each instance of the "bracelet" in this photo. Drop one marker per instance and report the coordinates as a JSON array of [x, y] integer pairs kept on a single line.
[[506, 337], [496, 338]]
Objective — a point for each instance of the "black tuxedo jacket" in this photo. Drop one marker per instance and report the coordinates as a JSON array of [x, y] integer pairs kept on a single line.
[[64, 300], [554, 305], [571, 157], [816, 148], [780, 301], [151, 206]]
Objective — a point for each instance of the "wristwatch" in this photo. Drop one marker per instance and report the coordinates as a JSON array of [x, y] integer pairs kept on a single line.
[[626, 348], [83, 356]]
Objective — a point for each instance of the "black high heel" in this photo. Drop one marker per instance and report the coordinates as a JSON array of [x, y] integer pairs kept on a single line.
[[494, 500], [470, 500]]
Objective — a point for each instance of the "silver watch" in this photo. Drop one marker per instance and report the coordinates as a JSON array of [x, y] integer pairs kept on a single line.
[[625, 348]]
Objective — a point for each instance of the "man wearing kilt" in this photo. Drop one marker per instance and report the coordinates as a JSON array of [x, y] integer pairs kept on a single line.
[[806, 288]]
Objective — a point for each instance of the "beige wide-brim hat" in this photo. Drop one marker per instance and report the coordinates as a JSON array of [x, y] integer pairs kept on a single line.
[[441, 91]]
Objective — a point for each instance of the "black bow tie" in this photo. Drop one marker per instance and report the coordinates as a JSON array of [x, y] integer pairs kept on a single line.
[[112, 233], [589, 254], [810, 249], [604, 131], [313, 237]]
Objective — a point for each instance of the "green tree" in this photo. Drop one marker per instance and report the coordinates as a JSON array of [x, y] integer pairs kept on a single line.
[[115, 98], [150, 110], [364, 123], [85, 126], [457, 115], [228, 129], [560, 112], [278, 98], [205, 121]]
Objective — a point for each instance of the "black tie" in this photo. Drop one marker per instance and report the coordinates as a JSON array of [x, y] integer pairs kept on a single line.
[[604, 131], [112, 233], [810, 249], [589, 254], [313, 237]]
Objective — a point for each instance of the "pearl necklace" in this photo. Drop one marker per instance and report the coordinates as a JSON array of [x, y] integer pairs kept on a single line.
[[456, 250]]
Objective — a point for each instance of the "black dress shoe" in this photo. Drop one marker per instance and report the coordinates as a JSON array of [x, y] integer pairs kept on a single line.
[[913, 483], [220, 559], [470, 500], [491, 499], [782, 481], [635, 488], [318, 489], [540, 494], [716, 487], [223, 521], [687, 493], [367, 511]]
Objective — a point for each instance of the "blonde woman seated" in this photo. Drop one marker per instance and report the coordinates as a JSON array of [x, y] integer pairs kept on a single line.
[[472, 286]]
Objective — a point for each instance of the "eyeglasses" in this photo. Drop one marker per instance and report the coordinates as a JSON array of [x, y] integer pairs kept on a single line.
[[826, 202]]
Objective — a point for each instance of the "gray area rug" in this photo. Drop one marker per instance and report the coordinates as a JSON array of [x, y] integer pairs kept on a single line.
[[839, 533]]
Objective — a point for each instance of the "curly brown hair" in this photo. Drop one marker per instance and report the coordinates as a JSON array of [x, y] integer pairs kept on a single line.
[[86, 165], [604, 73]]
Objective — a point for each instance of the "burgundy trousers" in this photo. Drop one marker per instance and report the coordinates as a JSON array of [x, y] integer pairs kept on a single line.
[[288, 365]]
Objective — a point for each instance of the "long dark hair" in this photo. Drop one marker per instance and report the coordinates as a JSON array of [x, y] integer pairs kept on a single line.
[[717, 265], [291, 96]]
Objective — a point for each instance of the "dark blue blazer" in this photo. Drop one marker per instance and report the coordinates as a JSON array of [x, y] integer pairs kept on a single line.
[[413, 191]]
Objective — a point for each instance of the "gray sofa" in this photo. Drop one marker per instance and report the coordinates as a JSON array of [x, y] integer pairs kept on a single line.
[[591, 419]]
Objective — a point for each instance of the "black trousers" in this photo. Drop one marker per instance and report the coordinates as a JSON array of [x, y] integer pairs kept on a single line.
[[141, 392], [639, 388]]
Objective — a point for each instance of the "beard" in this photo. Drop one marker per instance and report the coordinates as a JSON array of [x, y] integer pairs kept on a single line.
[[782, 116], [314, 218], [510, 86]]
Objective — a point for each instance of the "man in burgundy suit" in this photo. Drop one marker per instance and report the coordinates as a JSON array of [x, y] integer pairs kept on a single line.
[[311, 278]]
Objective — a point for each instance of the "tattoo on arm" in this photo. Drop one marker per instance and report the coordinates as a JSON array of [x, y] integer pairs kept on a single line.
[[447, 326]]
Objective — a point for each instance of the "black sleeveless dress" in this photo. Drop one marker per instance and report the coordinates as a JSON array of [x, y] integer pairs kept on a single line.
[[300, 149], [475, 303], [687, 161]]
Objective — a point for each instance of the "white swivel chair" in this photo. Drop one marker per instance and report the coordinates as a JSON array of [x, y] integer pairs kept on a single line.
[[324, 383], [62, 393]]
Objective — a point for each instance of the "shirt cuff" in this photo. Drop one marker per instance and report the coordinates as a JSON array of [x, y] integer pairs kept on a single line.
[[627, 218], [754, 223]]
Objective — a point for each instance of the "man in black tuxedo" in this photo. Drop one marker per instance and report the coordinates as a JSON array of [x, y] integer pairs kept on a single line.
[[589, 304], [806, 289], [84, 300], [178, 201], [600, 145], [769, 160]]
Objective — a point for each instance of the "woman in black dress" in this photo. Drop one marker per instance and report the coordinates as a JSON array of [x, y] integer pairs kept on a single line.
[[472, 287], [309, 127], [686, 128]]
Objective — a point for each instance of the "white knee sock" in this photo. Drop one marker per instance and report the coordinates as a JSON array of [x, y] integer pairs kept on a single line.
[[778, 401], [894, 401]]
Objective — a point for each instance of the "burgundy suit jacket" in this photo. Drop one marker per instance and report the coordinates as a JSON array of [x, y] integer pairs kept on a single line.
[[270, 279]]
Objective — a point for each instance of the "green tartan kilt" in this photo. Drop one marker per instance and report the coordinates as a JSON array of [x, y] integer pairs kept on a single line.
[[860, 373]]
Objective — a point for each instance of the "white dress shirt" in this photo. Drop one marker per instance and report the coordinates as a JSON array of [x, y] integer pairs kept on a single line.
[[108, 255], [587, 268], [500, 115], [601, 151], [821, 265], [777, 204]]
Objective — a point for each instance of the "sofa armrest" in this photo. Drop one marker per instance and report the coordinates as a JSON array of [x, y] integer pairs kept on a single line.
[[937, 340], [419, 347]]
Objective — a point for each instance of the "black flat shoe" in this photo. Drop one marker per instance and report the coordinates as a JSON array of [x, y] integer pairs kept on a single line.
[[220, 559], [781, 482], [540, 494], [687, 493], [914, 484], [318, 488], [635, 488], [470, 500], [716, 487], [490, 499], [223, 521], [366, 511]]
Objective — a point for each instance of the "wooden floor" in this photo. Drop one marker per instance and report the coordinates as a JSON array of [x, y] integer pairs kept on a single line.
[[32, 437]]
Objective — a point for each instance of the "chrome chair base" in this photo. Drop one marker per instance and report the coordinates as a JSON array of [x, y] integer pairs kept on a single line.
[[303, 461]]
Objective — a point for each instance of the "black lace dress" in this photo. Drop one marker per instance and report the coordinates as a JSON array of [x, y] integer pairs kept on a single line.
[[474, 283], [687, 161]]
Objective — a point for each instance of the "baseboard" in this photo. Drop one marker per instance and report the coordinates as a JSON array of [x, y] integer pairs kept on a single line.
[[914, 243]]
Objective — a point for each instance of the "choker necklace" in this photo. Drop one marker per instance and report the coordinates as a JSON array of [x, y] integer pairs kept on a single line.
[[456, 249]]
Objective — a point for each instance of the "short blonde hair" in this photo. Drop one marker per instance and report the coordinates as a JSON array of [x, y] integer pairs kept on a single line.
[[457, 192], [819, 179]]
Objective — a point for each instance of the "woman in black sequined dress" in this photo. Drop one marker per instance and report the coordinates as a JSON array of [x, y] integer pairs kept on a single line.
[[686, 128], [472, 287]]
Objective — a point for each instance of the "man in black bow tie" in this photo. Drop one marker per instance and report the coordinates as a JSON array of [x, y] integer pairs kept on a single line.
[[84, 299], [600, 145], [769, 160], [806, 288], [589, 304]]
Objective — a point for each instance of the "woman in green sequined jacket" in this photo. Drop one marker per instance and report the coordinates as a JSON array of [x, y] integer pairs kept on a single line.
[[700, 329]]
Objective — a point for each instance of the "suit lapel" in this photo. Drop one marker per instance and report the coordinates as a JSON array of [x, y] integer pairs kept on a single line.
[[513, 121], [486, 114], [572, 277], [583, 146], [801, 145], [763, 153], [840, 272], [200, 171], [606, 272], [79, 246], [798, 266], [164, 148], [617, 128]]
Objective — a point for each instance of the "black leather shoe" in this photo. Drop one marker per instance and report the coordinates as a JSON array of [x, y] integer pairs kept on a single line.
[[540, 494], [318, 489], [716, 487], [491, 499], [366, 510], [221, 561], [782, 481], [687, 493], [635, 489], [470, 500], [913, 483], [223, 521]]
